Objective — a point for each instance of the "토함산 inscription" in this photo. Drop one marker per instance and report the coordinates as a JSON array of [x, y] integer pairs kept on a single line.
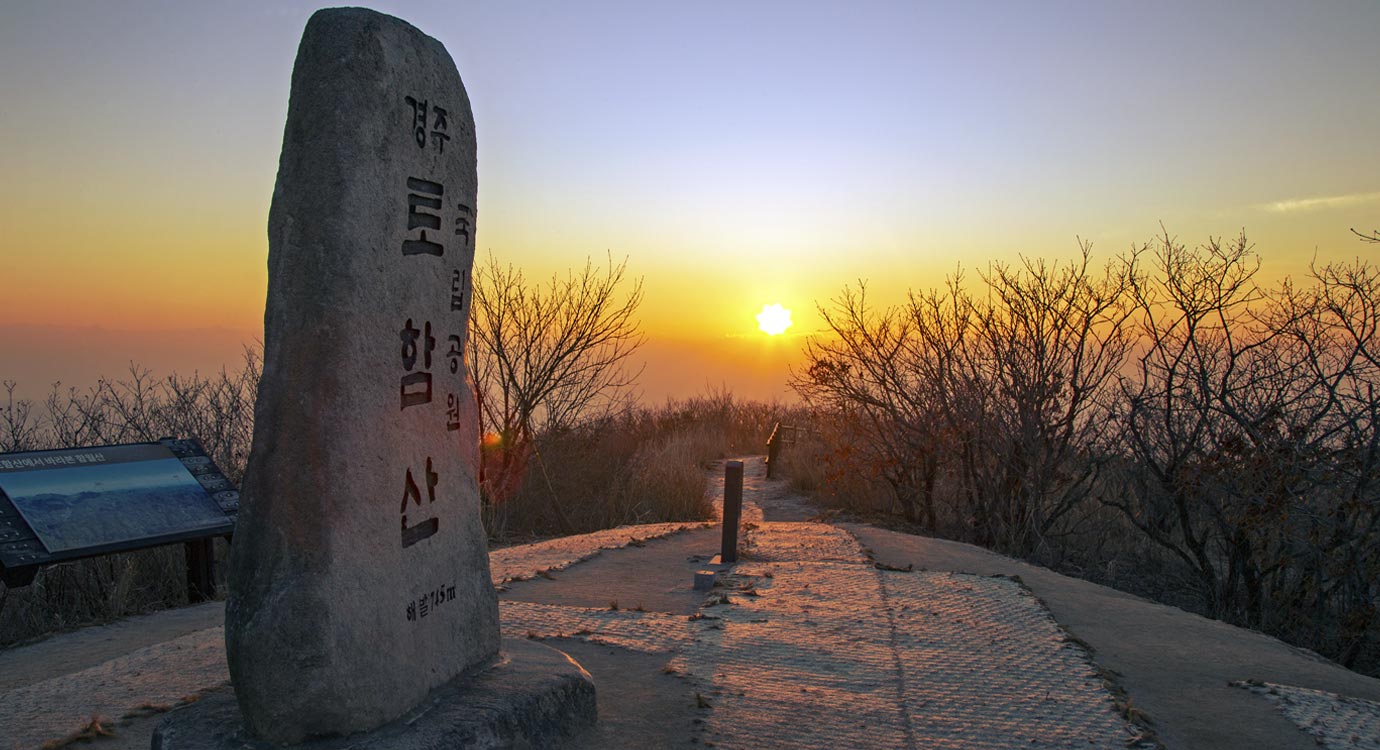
[[360, 576]]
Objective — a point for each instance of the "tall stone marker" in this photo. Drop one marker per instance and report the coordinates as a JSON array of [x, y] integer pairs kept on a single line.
[[360, 575]]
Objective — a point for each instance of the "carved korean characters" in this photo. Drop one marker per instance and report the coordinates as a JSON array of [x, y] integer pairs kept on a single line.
[[359, 573]]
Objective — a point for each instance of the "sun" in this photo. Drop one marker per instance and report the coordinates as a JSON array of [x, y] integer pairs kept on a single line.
[[774, 319]]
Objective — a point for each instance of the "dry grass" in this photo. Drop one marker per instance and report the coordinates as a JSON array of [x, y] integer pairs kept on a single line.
[[97, 727], [665, 480], [822, 465], [101, 589], [644, 465]]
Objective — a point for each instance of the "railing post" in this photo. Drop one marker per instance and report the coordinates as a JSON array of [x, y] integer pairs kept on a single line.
[[733, 510], [773, 449]]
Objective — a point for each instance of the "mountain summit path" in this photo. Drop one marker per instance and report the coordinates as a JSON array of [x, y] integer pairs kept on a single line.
[[818, 637]]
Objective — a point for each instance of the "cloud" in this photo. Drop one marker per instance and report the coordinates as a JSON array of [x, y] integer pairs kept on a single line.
[[1324, 202]]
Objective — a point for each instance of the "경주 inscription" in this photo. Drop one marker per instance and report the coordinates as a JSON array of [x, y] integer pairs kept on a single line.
[[360, 576]]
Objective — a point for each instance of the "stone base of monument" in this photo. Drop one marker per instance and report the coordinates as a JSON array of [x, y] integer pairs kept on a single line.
[[535, 696]]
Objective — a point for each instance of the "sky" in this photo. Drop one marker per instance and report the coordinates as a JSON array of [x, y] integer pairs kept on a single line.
[[737, 154]]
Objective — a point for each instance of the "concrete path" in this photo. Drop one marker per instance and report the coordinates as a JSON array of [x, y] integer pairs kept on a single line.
[[763, 499], [806, 626], [1175, 666], [805, 643]]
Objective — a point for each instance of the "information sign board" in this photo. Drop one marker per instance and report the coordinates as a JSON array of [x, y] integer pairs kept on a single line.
[[77, 502], [92, 497]]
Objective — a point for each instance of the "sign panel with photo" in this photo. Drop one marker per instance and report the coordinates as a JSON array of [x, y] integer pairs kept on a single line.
[[87, 497]]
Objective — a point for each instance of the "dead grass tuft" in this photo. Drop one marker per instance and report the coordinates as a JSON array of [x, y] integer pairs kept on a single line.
[[96, 727], [643, 464], [151, 709]]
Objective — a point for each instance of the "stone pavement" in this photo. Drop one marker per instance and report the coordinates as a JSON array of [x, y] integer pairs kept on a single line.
[[805, 643]]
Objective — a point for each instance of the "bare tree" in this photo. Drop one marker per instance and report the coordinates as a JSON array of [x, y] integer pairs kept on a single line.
[[861, 376], [545, 358], [1251, 442], [19, 427], [1049, 341], [1192, 309], [1221, 433], [1228, 423], [1002, 394], [1327, 579]]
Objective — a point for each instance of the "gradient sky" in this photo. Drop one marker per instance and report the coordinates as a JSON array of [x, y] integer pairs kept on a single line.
[[737, 153]]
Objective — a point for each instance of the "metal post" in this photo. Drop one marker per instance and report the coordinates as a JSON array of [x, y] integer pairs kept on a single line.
[[733, 510]]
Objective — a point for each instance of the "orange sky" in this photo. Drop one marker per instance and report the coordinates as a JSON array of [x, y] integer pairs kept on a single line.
[[736, 155]]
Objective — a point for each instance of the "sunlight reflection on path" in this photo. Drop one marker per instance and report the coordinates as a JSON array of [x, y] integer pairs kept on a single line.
[[807, 644]]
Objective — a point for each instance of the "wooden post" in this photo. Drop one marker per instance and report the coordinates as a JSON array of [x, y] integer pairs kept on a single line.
[[773, 452], [201, 570], [733, 510], [778, 436]]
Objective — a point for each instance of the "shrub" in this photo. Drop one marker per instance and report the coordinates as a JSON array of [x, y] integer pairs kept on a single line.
[[642, 465]]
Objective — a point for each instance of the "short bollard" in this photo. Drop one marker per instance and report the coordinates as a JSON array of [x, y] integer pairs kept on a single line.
[[733, 510]]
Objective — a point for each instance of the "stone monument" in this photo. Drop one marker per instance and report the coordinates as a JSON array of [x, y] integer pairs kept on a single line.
[[359, 579], [360, 575]]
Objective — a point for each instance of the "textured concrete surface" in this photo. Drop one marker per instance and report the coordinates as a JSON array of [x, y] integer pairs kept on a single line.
[[75, 651], [658, 576], [1335, 722], [806, 626], [527, 561], [534, 696], [1175, 666], [641, 705], [147, 680]]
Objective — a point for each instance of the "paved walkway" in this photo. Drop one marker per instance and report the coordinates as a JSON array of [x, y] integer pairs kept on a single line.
[[806, 626], [805, 643], [1176, 667]]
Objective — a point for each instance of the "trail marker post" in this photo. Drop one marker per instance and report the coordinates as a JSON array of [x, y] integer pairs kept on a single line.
[[733, 510]]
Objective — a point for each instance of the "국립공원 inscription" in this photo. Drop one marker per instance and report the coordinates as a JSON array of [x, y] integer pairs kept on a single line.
[[360, 576]]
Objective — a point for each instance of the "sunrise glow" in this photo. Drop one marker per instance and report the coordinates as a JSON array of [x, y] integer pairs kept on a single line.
[[774, 319], [951, 136]]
